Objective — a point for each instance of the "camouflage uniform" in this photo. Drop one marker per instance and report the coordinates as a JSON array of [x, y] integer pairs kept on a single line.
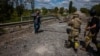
[[75, 24]]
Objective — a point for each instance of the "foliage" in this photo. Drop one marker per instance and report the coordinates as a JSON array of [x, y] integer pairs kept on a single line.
[[36, 9], [20, 10], [44, 11], [61, 10], [74, 9], [84, 10], [56, 10], [6, 10], [27, 12]]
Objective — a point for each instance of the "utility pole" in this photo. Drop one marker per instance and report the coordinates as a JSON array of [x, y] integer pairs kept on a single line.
[[70, 6], [32, 2], [32, 5]]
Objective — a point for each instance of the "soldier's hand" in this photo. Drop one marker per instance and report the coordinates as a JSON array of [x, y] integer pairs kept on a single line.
[[88, 28]]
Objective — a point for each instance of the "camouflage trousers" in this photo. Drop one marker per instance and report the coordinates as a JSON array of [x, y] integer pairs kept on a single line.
[[88, 38], [73, 38], [92, 38]]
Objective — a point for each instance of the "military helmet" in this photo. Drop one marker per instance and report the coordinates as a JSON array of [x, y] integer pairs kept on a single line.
[[92, 12]]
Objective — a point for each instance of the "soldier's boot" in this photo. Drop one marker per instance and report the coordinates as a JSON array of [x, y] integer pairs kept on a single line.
[[87, 42], [69, 42], [76, 45]]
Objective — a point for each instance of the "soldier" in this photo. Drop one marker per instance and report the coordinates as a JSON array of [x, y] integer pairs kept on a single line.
[[75, 25], [93, 29]]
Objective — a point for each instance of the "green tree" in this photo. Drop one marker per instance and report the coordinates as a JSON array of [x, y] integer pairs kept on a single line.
[[36, 9], [20, 10], [44, 11], [74, 9], [50, 11], [84, 10], [61, 10], [6, 10], [56, 10], [97, 8]]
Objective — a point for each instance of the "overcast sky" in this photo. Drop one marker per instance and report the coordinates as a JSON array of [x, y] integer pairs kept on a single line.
[[64, 3]]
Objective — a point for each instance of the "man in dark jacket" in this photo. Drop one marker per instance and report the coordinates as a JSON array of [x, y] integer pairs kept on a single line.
[[93, 28], [37, 21]]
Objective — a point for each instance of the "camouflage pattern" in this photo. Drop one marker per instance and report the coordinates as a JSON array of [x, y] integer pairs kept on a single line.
[[75, 25], [88, 38]]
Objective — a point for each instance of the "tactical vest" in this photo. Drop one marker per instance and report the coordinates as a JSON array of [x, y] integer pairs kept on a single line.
[[76, 23]]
